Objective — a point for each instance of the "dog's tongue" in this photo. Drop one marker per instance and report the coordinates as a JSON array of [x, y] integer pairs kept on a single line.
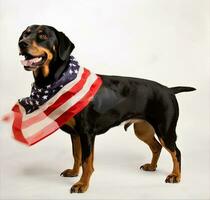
[[31, 62]]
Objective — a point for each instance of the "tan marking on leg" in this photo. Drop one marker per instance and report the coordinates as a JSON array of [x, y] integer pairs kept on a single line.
[[76, 150], [175, 176], [77, 154], [145, 132], [83, 184]]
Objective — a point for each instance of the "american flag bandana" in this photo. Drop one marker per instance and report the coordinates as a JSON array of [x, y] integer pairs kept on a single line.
[[48, 108]]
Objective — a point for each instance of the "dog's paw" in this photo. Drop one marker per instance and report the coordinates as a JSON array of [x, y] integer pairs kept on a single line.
[[79, 187], [148, 167], [172, 178], [69, 173]]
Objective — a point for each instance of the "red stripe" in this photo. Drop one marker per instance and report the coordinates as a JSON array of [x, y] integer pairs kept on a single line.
[[84, 101], [61, 100], [16, 126], [49, 129]]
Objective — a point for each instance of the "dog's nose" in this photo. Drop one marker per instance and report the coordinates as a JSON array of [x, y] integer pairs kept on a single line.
[[23, 44]]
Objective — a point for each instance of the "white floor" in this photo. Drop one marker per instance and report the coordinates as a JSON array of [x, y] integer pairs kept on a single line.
[[33, 172]]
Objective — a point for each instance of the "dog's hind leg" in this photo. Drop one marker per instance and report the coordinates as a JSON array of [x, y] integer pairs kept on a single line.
[[145, 132], [77, 154], [166, 131], [175, 153]]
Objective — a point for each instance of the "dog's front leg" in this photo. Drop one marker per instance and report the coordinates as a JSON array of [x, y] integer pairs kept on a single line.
[[77, 154], [87, 143]]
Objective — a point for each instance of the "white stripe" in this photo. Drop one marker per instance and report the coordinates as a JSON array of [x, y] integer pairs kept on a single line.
[[43, 107], [36, 127]]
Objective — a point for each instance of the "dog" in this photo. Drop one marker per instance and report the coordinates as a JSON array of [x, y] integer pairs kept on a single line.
[[151, 107]]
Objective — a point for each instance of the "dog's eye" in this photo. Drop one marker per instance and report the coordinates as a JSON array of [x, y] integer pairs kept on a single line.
[[43, 36]]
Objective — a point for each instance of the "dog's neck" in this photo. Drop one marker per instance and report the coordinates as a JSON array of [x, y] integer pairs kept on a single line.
[[48, 74]]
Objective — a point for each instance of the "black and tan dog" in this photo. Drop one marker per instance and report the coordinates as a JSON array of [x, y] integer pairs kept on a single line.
[[150, 106]]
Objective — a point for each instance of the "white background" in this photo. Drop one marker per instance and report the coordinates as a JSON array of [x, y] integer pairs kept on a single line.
[[163, 40]]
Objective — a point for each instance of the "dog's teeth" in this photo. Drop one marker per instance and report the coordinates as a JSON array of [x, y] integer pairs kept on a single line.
[[39, 59], [36, 60], [22, 57], [30, 62]]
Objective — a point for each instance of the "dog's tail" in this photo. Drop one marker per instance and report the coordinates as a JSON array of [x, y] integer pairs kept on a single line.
[[179, 89]]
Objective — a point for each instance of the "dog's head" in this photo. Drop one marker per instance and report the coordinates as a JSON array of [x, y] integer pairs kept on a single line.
[[40, 45]]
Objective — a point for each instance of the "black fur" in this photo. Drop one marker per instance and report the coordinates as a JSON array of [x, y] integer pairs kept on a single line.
[[58, 44], [177, 90], [119, 99], [123, 98]]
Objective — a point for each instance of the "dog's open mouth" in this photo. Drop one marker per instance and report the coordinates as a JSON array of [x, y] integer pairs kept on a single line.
[[31, 62]]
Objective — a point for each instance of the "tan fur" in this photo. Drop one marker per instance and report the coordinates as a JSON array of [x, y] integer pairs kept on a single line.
[[37, 50], [145, 132], [87, 167], [176, 173], [71, 122], [77, 154]]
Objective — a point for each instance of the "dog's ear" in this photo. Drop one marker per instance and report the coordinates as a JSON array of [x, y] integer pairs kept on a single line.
[[65, 46]]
